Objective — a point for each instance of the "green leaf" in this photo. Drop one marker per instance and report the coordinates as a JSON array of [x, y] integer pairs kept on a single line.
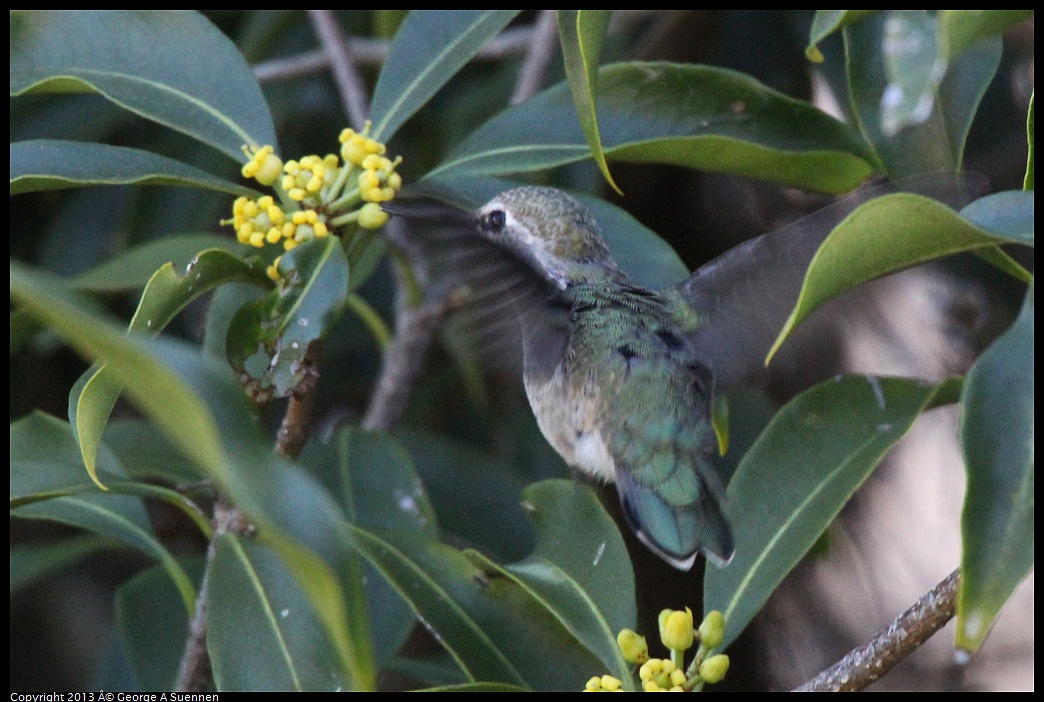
[[50, 164], [694, 116], [825, 23], [580, 571], [884, 235], [146, 454], [48, 482], [997, 442], [167, 293], [152, 628], [33, 562], [268, 338], [959, 29], [582, 33], [913, 105], [429, 48], [811, 458], [1007, 214], [373, 479], [134, 268], [494, 629], [195, 400], [252, 597], [173, 67]]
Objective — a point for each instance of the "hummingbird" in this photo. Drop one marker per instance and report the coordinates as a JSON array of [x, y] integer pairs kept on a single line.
[[622, 379]]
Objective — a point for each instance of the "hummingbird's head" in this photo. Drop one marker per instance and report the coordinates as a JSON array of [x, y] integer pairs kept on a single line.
[[551, 231]]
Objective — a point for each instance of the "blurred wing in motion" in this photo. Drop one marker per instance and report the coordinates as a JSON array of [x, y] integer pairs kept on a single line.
[[745, 296]]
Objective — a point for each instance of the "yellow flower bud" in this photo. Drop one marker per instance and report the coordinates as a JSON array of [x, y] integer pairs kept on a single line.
[[371, 216], [651, 686], [633, 646], [712, 630], [714, 668], [610, 683], [676, 630], [678, 677], [594, 684]]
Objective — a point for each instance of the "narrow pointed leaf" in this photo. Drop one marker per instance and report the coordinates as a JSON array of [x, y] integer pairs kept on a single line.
[[171, 66], [580, 571], [997, 442], [883, 236], [185, 393], [167, 293], [825, 23], [494, 629], [51, 164], [134, 268], [252, 597], [695, 116], [581, 33], [268, 338], [811, 458], [429, 48]]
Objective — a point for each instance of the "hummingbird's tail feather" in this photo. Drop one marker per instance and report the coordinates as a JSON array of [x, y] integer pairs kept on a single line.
[[676, 533]]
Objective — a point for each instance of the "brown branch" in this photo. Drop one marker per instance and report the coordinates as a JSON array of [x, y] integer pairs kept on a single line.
[[194, 673], [349, 82], [892, 644], [373, 52], [415, 325], [538, 58]]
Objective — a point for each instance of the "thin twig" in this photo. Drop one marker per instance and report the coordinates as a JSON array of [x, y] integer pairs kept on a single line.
[[349, 82], [373, 52], [892, 644], [538, 58], [194, 673], [296, 425]]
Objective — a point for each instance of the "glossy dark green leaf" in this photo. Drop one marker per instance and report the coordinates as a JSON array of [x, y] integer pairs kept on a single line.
[[581, 33], [884, 235], [167, 293], [133, 268], [814, 454], [580, 571], [495, 630], [31, 563], [429, 48], [50, 164], [825, 23], [196, 402], [372, 478], [695, 116], [914, 106], [170, 66], [252, 597], [268, 338], [997, 442], [152, 627]]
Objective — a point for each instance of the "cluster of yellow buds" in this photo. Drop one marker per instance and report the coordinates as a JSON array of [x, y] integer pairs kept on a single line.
[[606, 683], [317, 195], [678, 635]]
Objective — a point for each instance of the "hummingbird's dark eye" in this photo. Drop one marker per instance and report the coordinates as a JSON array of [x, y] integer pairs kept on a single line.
[[496, 220]]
